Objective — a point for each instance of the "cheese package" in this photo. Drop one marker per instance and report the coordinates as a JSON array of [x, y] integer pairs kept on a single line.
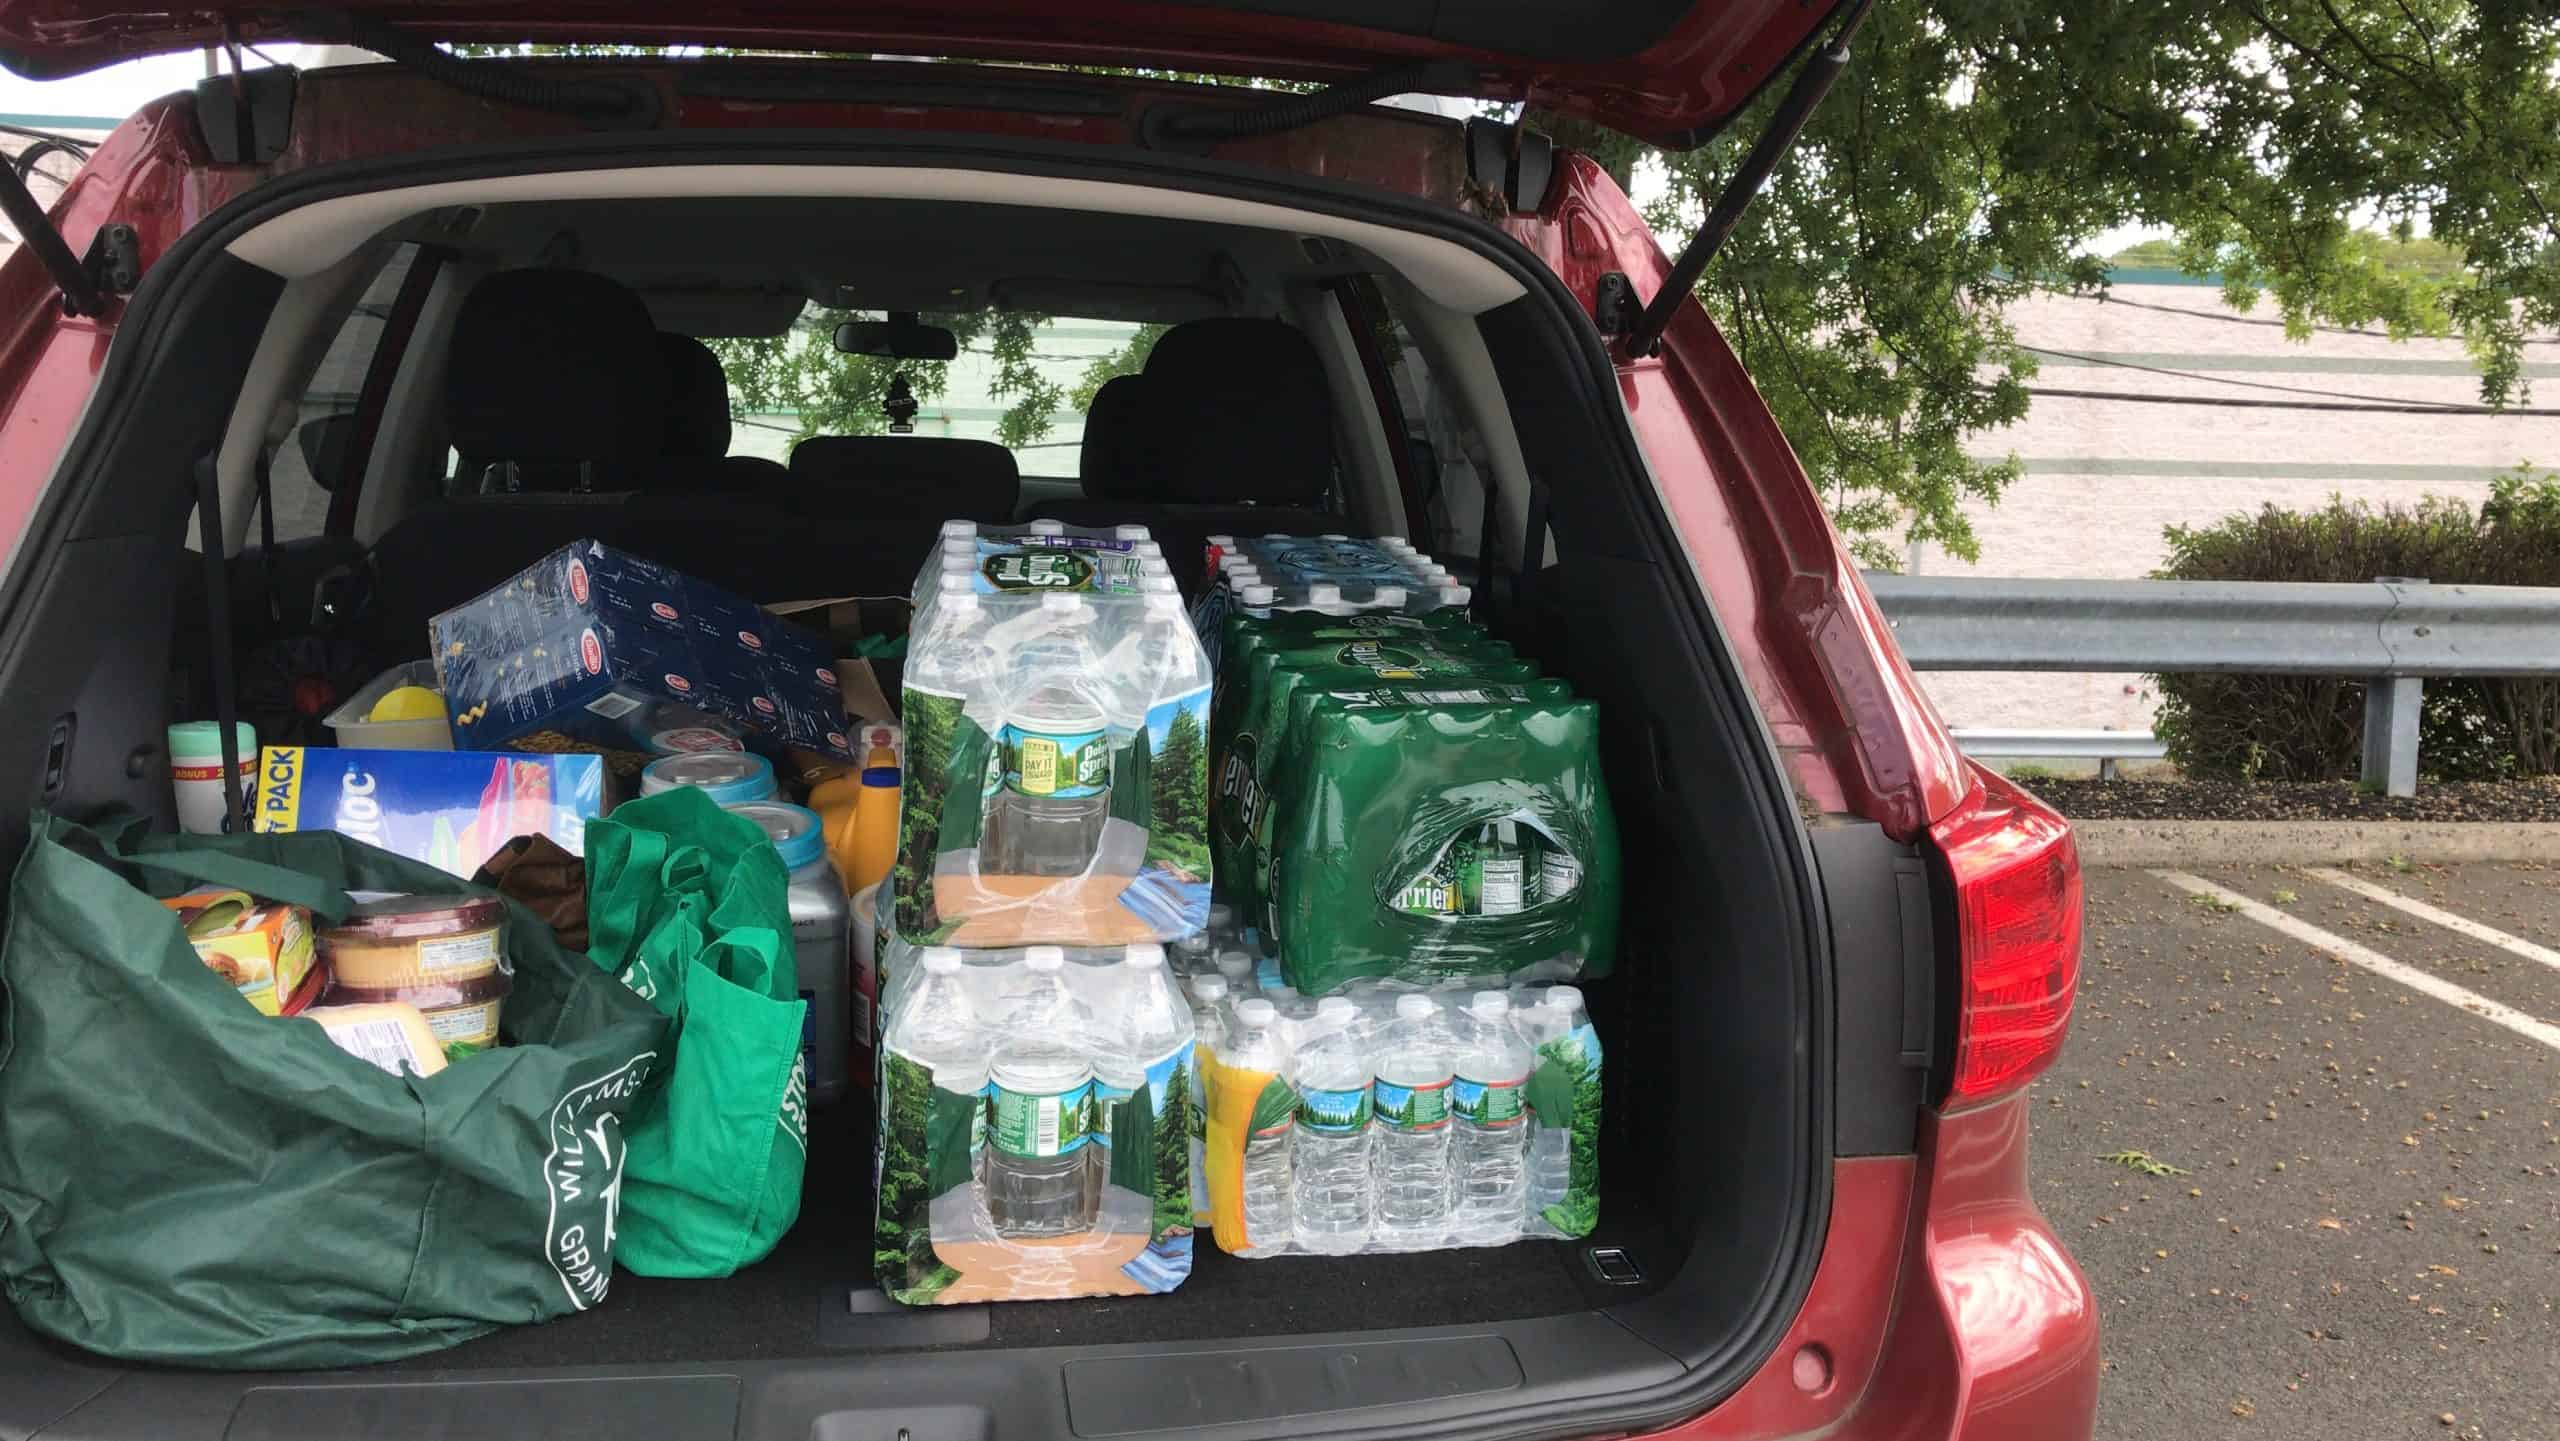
[[462, 1015], [263, 950], [391, 1034]]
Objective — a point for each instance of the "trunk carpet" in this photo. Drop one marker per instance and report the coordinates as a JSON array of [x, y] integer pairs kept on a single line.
[[773, 1309]]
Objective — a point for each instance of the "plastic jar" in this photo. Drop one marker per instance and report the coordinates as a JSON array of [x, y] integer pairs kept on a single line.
[[730, 778], [387, 942], [821, 941]]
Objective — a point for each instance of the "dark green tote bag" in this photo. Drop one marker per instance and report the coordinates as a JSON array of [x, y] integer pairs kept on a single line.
[[185, 1180], [690, 905]]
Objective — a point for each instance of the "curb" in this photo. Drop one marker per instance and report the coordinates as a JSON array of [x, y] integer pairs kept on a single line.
[[2225, 843]]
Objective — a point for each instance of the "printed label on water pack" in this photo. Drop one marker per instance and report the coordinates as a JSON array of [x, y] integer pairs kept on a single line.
[[1062, 766], [1334, 1113], [1387, 662], [1038, 570], [1038, 1125], [1500, 893], [1412, 1108], [1487, 1103], [1099, 1102], [1559, 875]]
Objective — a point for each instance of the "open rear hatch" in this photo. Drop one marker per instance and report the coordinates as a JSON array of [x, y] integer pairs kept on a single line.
[[1670, 71]]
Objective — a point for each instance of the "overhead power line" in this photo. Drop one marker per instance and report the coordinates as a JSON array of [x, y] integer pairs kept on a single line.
[[2235, 402], [2111, 298], [2453, 406]]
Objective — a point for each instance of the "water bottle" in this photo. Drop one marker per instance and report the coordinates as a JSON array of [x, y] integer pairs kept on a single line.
[[1209, 1029], [1047, 815], [1491, 1122], [941, 1031], [1040, 1085], [1331, 1144], [1414, 1057], [1237, 968], [1255, 1046], [1502, 870], [1557, 1017]]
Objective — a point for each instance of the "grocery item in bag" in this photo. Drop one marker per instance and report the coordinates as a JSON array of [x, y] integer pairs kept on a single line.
[[451, 809], [1035, 1126], [265, 950], [1056, 769], [1423, 842]]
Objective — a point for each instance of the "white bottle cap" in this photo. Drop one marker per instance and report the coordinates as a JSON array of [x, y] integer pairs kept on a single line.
[[1489, 1003], [1259, 595], [1333, 537], [1130, 532], [942, 960], [1563, 998], [1223, 542], [1411, 1007], [1324, 593], [1234, 963], [1208, 990], [1396, 543], [1456, 595], [961, 529], [1337, 1009], [1235, 560], [1221, 915], [1142, 954], [1048, 527], [1279, 994], [955, 580], [1274, 535], [1044, 958], [1157, 584], [1149, 550], [1390, 595], [1061, 601], [1255, 1013]]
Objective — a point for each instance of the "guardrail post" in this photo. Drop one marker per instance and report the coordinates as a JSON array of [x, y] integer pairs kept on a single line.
[[2391, 733]]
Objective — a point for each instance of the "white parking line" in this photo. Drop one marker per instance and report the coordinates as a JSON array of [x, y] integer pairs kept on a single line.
[[2459, 925], [2381, 965]]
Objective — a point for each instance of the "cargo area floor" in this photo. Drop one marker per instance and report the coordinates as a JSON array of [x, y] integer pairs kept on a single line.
[[799, 1301]]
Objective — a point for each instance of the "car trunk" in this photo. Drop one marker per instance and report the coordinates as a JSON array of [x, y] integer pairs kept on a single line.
[[1718, 1024]]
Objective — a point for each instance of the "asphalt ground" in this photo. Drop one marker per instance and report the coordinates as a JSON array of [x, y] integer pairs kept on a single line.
[[2361, 1237]]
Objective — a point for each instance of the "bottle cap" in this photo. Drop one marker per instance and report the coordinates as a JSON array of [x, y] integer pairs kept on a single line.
[[1333, 537], [1563, 998], [968, 528], [1044, 958], [1157, 584], [1324, 593], [1396, 543], [1259, 595], [1223, 542], [1282, 993], [1255, 1013], [1411, 1007], [1221, 915], [1149, 549], [1390, 595], [1456, 595], [1048, 527], [1336, 1009], [1489, 1003], [1274, 535], [942, 960], [954, 580], [1129, 532], [1235, 963], [1142, 954], [1209, 990], [796, 831], [1061, 601]]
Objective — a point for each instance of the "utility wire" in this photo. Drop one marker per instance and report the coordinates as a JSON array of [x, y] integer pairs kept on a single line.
[[2458, 407], [2234, 402], [2109, 297]]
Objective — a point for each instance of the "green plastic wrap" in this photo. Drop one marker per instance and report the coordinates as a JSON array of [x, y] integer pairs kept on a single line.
[[1380, 804]]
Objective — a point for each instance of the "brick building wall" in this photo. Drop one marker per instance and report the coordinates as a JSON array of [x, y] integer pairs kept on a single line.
[[2105, 477]]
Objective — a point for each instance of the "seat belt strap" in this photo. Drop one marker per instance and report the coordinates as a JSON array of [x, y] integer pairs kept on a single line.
[[211, 538], [1533, 548]]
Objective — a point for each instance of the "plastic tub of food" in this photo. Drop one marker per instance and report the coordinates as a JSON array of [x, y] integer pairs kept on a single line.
[[461, 1015], [390, 942], [407, 723]]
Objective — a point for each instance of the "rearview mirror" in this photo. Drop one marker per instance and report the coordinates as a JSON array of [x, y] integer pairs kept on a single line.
[[900, 337]]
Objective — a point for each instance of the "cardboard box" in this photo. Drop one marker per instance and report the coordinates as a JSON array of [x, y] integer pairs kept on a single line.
[[451, 809], [607, 649], [264, 950]]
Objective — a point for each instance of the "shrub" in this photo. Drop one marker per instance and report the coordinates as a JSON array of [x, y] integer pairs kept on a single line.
[[2312, 727]]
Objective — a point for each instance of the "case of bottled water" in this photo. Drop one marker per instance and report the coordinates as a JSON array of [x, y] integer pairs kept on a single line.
[[1391, 1118], [1037, 1118], [1056, 708]]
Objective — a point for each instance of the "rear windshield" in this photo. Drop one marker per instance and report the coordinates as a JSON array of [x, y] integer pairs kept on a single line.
[[1022, 380]]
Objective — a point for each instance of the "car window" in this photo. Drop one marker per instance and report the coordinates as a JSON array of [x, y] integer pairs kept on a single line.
[[333, 392], [1447, 453], [1022, 380]]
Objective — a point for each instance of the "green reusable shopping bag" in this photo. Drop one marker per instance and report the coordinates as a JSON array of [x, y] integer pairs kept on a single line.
[[184, 1180], [690, 905]]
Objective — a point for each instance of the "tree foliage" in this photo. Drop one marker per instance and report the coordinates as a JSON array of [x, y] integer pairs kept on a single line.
[[833, 393], [1975, 149]]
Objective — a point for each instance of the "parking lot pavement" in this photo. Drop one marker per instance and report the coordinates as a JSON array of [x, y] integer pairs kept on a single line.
[[2361, 1238]]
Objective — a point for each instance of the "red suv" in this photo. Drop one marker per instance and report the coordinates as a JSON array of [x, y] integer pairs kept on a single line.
[[374, 336]]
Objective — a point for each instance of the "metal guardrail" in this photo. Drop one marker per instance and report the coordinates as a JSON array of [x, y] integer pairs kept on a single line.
[[2103, 746], [2393, 632]]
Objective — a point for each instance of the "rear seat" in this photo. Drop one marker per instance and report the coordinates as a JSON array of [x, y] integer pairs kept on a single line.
[[882, 499], [1227, 430], [695, 444], [556, 384]]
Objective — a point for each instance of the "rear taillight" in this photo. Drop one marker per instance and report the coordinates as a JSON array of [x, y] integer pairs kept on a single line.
[[2016, 876]]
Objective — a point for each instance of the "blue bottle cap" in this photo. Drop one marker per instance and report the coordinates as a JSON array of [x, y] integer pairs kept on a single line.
[[794, 830], [730, 778]]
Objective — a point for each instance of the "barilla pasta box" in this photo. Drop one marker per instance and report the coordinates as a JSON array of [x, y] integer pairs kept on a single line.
[[450, 809], [599, 646]]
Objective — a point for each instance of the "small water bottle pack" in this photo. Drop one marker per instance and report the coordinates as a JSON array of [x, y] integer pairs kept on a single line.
[[1056, 714], [1036, 1125], [1396, 1119], [1327, 574]]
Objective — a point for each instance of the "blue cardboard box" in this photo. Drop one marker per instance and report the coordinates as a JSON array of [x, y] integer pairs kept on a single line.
[[605, 647], [450, 809]]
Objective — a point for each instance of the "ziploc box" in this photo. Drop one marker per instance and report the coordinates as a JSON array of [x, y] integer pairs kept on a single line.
[[450, 809], [601, 646]]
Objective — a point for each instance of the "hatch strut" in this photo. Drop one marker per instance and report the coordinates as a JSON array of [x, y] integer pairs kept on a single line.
[[80, 291], [1812, 83]]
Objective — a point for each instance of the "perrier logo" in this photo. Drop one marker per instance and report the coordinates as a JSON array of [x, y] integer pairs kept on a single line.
[[583, 1176], [1038, 570], [1389, 662]]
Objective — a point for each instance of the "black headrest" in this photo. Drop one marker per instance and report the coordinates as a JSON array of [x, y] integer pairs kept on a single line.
[[1110, 466], [1236, 410], [911, 474], [554, 365], [697, 398]]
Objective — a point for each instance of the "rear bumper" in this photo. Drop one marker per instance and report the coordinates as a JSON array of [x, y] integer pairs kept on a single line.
[[1975, 1325]]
